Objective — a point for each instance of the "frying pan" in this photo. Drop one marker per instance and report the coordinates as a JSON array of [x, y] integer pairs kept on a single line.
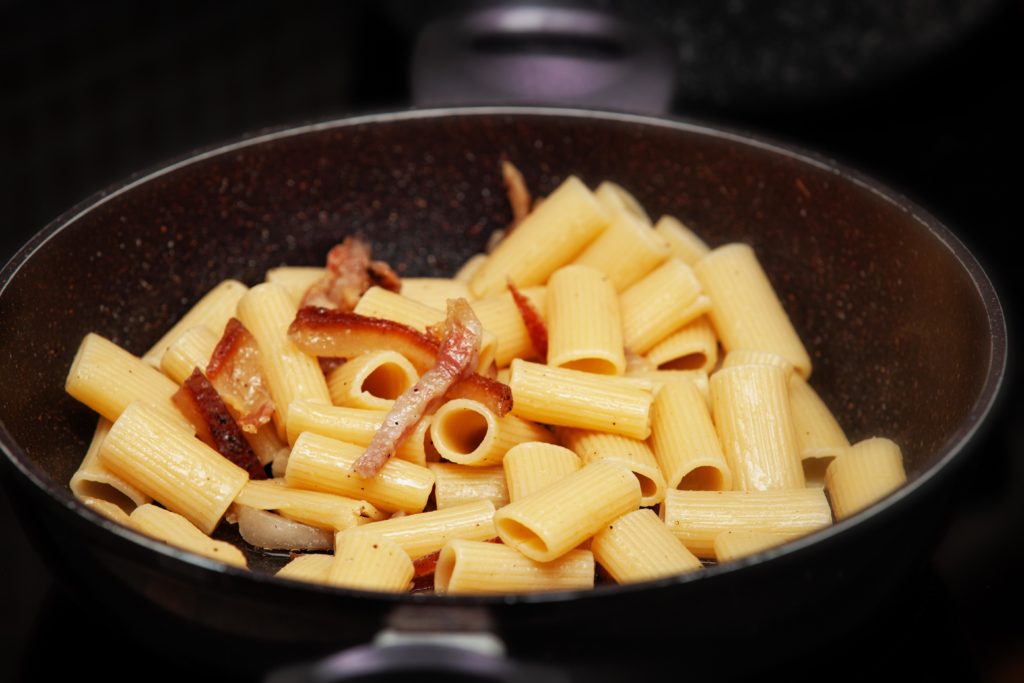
[[905, 329]]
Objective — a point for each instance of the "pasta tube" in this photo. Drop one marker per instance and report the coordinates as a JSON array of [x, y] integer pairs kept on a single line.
[[659, 304], [531, 466], [92, 480], [475, 567], [593, 446], [465, 431], [425, 533], [369, 562], [639, 547], [319, 463], [870, 470], [732, 545], [456, 484], [694, 346], [372, 380], [684, 440], [751, 410], [745, 309], [683, 242], [698, 517], [819, 438], [191, 350], [315, 508], [552, 521], [267, 311], [549, 237], [175, 530], [313, 567], [584, 327], [296, 280], [626, 251], [167, 463], [570, 398], [500, 316]]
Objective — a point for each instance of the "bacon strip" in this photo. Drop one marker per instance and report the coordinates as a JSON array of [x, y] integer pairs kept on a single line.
[[215, 426], [350, 272], [492, 393], [535, 326], [335, 333], [237, 375], [518, 193], [332, 333], [455, 360]]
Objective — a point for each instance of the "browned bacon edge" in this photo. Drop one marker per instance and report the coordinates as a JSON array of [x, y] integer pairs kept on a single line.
[[203, 406], [535, 326], [235, 372], [333, 333], [348, 274]]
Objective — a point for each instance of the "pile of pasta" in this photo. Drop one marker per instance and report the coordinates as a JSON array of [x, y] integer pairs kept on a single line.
[[661, 419]]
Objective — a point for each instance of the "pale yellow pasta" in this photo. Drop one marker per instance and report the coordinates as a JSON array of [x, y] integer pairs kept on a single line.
[[356, 426], [377, 302], [92, 479], [684, 244], [745, 309], [752, 415], [213, 310], [552, 521], [570, 398], [477, 567], [639, 547], [626, 251], [758, 357], [369, 562], [458, 484], [425, 533], [312, 567], [191, 350], [465, 431], [592, 446], [176, 530], [659, 304], [657, 379], [165, 461], [107, 379], [584, 327], [500, 316], [468, 269], [319, 463], [533, 465], [694, 346], [697, 517], [819, 437], [315, 508], [684, 440], [434, 291], [296, 280], [870, 470], [371, 380], [111, 511], [549, 237], [292, 375], [618, 199], [732, 545]]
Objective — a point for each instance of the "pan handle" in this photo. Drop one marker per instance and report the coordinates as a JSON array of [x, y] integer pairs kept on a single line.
[[514, 53], [427, 645]]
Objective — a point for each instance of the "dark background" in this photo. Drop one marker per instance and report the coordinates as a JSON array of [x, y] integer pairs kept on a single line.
[[924, 96]]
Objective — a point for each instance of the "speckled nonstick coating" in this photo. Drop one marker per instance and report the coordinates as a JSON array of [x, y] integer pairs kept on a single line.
[[905, 331]]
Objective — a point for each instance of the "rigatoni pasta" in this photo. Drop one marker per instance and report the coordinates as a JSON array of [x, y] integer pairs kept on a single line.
[[605, 427]]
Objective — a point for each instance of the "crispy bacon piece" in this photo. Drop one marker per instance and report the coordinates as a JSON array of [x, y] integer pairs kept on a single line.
[[455, 360], [333, 333], [518, 194], [235, 372], [535, 326], [350, 272], [202, 405], [492, 393]]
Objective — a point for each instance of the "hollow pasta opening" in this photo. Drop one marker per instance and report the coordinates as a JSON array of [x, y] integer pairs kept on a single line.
[[691, 361], [519, 534], [648, 487], [464, 431], [702, 479], [444, 569], [387, 381], [597, 366]]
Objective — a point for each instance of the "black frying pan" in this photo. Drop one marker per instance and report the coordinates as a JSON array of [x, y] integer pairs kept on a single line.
[[906, 332]]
